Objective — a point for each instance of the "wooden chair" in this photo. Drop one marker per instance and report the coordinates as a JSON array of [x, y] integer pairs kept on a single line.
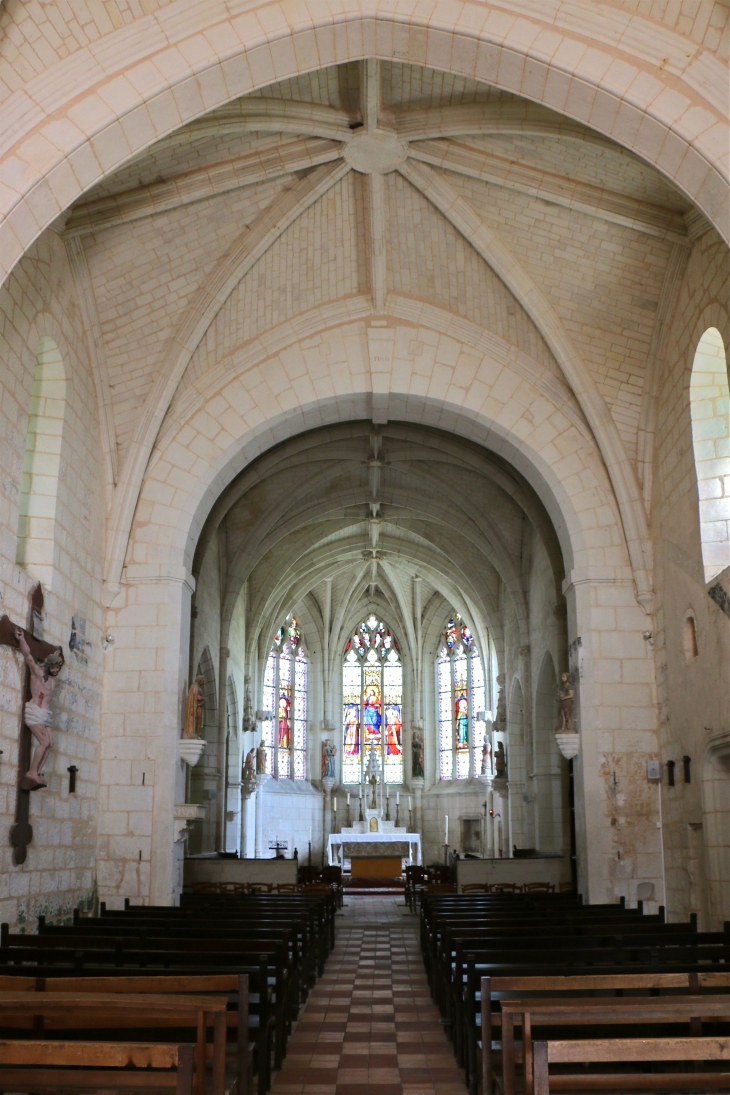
[[566, 887], [538, 887], [259, 887], [81, 1066], [440, 887], [505, 887], [475, 887], [288, 887], [635, 1051], [206, 887]]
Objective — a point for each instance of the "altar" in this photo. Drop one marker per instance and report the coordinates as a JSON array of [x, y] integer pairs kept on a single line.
[[394, 843]]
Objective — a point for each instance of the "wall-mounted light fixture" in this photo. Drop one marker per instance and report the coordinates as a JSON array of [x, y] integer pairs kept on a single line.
[[72, 770], [687, 761], [670, 772]]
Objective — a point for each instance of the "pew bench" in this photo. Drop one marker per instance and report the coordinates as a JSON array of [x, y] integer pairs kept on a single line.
[[705, 1061], [40, 1012], [591, 1013], [113, 1067]]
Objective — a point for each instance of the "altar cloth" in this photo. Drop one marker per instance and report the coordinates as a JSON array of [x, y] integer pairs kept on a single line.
[[375, 844]]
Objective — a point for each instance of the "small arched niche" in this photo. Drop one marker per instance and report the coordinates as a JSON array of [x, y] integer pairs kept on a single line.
[[37, 509], [689, 637], [710, 411]]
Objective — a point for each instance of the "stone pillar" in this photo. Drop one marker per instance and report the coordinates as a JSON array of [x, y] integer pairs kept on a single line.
[[140, 778], [261, 852], [618, 824], [248, 792], [417, 784], [327, 786], [222, 800]]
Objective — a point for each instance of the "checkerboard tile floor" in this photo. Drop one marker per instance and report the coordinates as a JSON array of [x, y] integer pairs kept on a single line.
[[369, 1026]]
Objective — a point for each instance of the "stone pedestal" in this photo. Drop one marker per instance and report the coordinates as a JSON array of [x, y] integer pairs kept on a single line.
[[248, 791], [328, 783], [261, 781], [417, 783]]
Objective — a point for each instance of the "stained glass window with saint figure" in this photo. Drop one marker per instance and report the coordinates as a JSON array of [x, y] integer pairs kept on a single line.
[[460, 699], [372, 703], [285, 696]]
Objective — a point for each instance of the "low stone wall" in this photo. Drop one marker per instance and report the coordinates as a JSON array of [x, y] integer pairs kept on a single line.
[[553, 869], [209, 869]]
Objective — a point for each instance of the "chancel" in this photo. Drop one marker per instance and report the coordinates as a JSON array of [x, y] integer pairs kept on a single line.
[[365, 545]]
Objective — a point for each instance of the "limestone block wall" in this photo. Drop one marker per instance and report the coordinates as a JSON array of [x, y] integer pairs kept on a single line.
[[39, 303], [694, 692], [291, 811]]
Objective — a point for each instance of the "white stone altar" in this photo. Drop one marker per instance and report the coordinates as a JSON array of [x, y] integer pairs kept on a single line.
[[387, 842]]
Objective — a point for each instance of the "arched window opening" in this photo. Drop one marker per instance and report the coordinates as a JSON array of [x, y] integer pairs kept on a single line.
[[285, 696], [42, 464], [690, 638], [461, 701], [372, 694], [710, 410]]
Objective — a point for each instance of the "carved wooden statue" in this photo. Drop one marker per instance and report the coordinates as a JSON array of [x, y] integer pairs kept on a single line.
[[249, 769], [261, 759], [195, 710], [500, 762], [328, 759], [37, 713], [486, 758], [33, 726], [566, 702], [417, 770]]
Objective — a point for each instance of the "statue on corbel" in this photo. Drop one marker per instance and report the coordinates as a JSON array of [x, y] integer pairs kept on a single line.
[[192, 741], [566, 733]]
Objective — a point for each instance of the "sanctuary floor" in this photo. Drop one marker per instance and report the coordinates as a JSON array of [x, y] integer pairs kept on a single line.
[[369, 1027]]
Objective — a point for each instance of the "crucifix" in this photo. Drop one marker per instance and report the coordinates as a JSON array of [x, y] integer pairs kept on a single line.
[[43, 663]]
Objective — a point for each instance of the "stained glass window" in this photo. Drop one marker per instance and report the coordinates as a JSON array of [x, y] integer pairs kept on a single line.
[[285, 696], [372, 703], [460, 695]]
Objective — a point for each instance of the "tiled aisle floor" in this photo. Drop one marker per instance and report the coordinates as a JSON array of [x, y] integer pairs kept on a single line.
[[369, 1027]]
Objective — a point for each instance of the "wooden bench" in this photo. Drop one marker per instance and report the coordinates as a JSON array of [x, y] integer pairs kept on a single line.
[[39, 1012], [227, 986], [633, 1051], [91, 1066], [661, 1011], [571, 988]]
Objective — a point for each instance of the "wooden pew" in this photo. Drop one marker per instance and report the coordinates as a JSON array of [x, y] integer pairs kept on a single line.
[[90, 1066], [38, 1012], [661, 1011], [223, 985], [572, 988], [634, 1051]]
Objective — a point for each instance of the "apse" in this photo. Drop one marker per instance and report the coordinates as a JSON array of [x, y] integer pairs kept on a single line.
[[368, 587]]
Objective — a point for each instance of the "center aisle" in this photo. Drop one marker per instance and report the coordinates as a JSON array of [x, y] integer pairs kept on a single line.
[[369, 1027]]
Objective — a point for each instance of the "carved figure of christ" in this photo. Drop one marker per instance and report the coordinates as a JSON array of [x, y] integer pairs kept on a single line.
[[38, 709]]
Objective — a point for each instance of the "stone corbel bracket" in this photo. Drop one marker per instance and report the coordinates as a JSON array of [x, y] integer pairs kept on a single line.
[[183, 813]]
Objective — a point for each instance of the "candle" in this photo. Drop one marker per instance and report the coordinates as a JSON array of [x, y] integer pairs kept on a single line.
[[361, 790], [446, 828], [348, 798], [334, 804], [397, 798], [409, 802], [310, 834]]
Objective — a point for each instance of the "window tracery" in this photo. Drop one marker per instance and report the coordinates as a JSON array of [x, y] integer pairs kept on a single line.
[[285, 696], [460, 694], [372, 702]]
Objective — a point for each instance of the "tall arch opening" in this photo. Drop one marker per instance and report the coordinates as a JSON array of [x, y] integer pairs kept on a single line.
[[37, 534], [710, 409]]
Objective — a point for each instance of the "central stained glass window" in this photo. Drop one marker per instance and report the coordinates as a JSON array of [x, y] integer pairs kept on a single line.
[[285, 696], [460, 696], [372, 695]]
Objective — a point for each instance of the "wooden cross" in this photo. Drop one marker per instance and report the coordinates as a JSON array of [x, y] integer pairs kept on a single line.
[[21, 833]]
